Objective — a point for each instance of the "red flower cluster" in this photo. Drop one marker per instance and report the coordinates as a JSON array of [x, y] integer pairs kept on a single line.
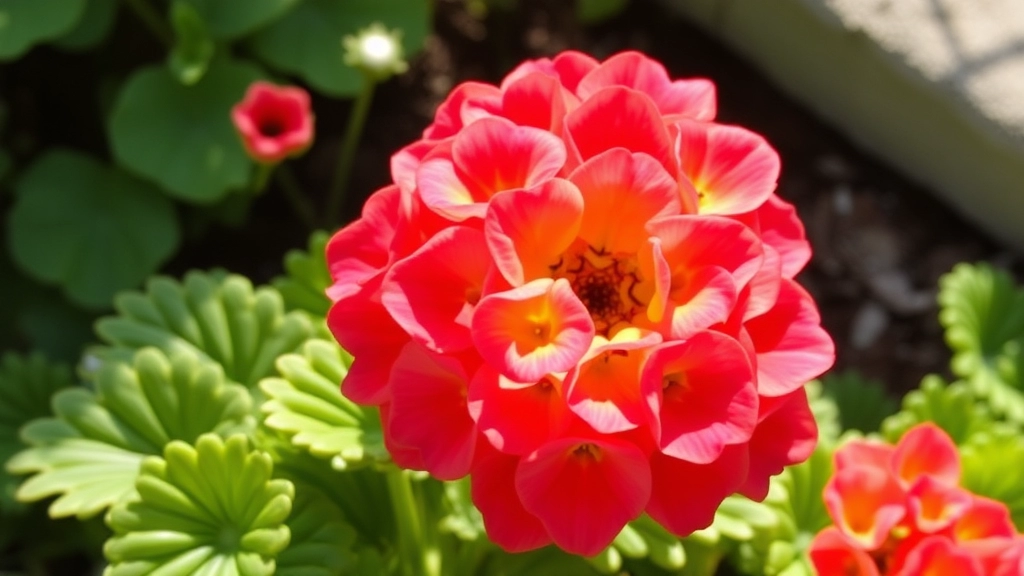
[[579, 290], [899, 511], [275, 122]]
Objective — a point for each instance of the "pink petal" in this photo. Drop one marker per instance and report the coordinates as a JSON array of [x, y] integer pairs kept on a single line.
[[792, 347], [618, 117], [986, 518], [528, 230], [429, 411], [450, 116], [938, 556], [604, 389], [622, 191], [534, 330], [865, 504], [444, 192], [690, 242], [689, 98], [858, 452], [572, 66], [403, 456], [685, 496], [781, 228], [935, 505], [507, 522], [733, 169], [584, 490], [787, 435], [362, 325], [361, 250], [431, 293], [832, 553], [493, 154], [538, 100], [700, 396], [926, 450], [500, 408], [406, 162]]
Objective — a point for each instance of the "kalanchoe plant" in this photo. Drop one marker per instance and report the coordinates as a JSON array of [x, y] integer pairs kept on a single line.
[[587, 244]]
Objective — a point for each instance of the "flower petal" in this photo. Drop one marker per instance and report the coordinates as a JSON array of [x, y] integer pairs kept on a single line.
[[507, 522], [429, 410], [926, 450], [431, 293], [493, 155], [694, 98], [527, 230], [935, 505], [685, 496], [865, 503], [361, 250], [498, 407], [733, 169], [700, 396], [622, 191], [584, 490], [534, 330], [618, 117], [786, 434], [365, 328], [938, 556], [538, 100], [832, 553]]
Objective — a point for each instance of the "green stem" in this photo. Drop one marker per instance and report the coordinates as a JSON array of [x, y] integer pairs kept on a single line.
[[354, 130], [414, 552], [152, 19], [293, 192]]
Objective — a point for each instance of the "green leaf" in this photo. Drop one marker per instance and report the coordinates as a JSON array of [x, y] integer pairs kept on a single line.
[[307, 41], [94, 26], [26, 385], [216, 316], [953, 408], [306, 277], [321, 543], [212, 509], [991, 464], [181, 136], [193, 48], [24, 23], [596, 11], [226, 20], [826, 413], [863, 404], [92, 229], [306, 405], [89, 454]]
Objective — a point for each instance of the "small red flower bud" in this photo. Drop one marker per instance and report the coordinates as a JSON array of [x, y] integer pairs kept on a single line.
[[275, 122]]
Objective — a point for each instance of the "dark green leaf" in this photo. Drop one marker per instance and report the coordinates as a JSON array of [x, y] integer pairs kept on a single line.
[[307, 41], [226, 19], [595, 11], [181, 136], [863, 404], [93, 27], [91, 229], [24, 23], [193, 48]]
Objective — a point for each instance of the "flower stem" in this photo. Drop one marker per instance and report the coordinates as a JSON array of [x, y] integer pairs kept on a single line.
[[152, 19], [414, 551], [300, 203], [354, 130]]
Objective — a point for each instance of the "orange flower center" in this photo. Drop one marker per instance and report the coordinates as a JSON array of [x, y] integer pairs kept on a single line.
[[610, 286]]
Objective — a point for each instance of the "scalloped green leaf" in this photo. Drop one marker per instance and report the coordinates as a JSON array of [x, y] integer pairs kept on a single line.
[[951, 407], [90, 228], [26, 385], [863, 404], [307, 40], [306, 405], [92, 28], [217, 316], [321, 543], [181, 137], [306, 277], [89, 453], [227, 21], [211, 509], [24, 23], [991, 463]]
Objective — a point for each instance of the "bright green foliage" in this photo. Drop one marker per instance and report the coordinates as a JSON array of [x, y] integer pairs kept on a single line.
[[863, 404], [953, 408], [26, 385], [207, 510], [826, 413], [194, 48], [216, 316], [321, 540], [644, 538], [306, 277], [991, 462], [227, 20], [549, 561], [24, 23], [983, 312], [307, 41], [795, 496], [92, 28], [306, 405], [181, 136], [92, 229], [89, 454]]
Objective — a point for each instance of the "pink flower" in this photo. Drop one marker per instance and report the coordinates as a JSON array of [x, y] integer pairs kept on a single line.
[[578, 291], [275, 122]]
